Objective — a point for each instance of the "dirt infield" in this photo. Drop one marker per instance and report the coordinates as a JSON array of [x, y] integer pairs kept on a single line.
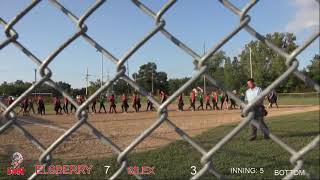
[[121, 128]]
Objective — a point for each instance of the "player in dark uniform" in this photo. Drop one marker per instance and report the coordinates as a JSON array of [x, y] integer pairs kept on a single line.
[[163, 96], [232, 101], [113, 106], [101, 104], [200, 96], [31, 107], [72, 107], [66, 105], [272, 98], [226, 100], [192, 101], [180, 102], [124, 105], [138, 102], [207, 98], [149, 104], [134, 102], [9, 100], [93, 107], [25, 106], [57, 105], [215, 99], [41, 107]]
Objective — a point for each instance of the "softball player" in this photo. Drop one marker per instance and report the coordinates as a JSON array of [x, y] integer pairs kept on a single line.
[[207, 98], [113, 106]]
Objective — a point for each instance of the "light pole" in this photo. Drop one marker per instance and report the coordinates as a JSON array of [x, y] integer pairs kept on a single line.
[[128, 76], [101, 69], [35, 80], [87, 81], [152, 79], [250, 62], [204, 77]]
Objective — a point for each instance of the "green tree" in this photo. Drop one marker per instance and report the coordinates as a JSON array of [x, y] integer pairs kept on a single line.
[[122, 86], [94, 86], [176, 83], [148, 74], [267, 65], [313, 70]]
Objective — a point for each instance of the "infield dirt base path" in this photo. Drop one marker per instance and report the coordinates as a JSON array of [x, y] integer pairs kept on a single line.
[[121, 128]]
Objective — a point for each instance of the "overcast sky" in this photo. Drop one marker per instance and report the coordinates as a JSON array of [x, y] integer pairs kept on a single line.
[[118, 25]]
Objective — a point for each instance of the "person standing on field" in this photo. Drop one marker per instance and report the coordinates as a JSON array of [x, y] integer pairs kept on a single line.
[[65, 105], [259, 111], [180, 102], [221, 100], [9, 100], [232, 101], [215, 99], [200, 96], [41, 107], [134, 102], [113, 106], [31, 107], [163, 96], [207, 99], [226, 99], [272, 98], [57, 105], [93, 106], [101, 103], [25, 106], [124, 105], [150, 104], [138, 102], [81, 99], [73, 107], [192, 101]]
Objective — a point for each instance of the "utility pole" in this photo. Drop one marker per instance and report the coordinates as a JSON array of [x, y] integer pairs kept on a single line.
[[108, 76], [128, 76], [87, 81], [101, 69], [101, 83], [250, 62], [35, 80], [204, 77], [152, 80]]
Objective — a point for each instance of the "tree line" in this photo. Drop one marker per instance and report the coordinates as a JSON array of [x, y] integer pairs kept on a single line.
[[231, 72]]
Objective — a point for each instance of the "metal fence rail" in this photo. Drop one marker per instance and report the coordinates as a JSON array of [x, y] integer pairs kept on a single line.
[[82, 116]]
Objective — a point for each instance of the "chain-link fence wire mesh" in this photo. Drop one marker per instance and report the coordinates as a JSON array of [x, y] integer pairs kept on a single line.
[[10, 117]]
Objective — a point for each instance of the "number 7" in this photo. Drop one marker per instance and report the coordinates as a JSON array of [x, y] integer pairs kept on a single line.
[[107, 169]]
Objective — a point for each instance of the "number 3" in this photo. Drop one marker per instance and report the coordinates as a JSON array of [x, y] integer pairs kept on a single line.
[[194, 170]]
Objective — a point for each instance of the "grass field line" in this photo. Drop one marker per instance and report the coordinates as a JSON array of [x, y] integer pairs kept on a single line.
[[29, 121]]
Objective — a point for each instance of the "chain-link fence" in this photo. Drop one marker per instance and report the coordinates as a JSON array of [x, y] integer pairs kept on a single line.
[[82, 116]]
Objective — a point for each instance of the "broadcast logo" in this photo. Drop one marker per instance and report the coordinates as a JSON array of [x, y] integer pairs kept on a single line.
[[15, 168]]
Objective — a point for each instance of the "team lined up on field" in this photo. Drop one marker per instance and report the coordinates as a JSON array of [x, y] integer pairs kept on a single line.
[[216, 100]]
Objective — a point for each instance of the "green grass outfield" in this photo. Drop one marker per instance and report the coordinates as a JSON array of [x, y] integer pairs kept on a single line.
[[174, 161]]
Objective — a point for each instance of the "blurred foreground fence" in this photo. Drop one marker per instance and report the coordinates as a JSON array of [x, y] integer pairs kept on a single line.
[[208, 164]]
